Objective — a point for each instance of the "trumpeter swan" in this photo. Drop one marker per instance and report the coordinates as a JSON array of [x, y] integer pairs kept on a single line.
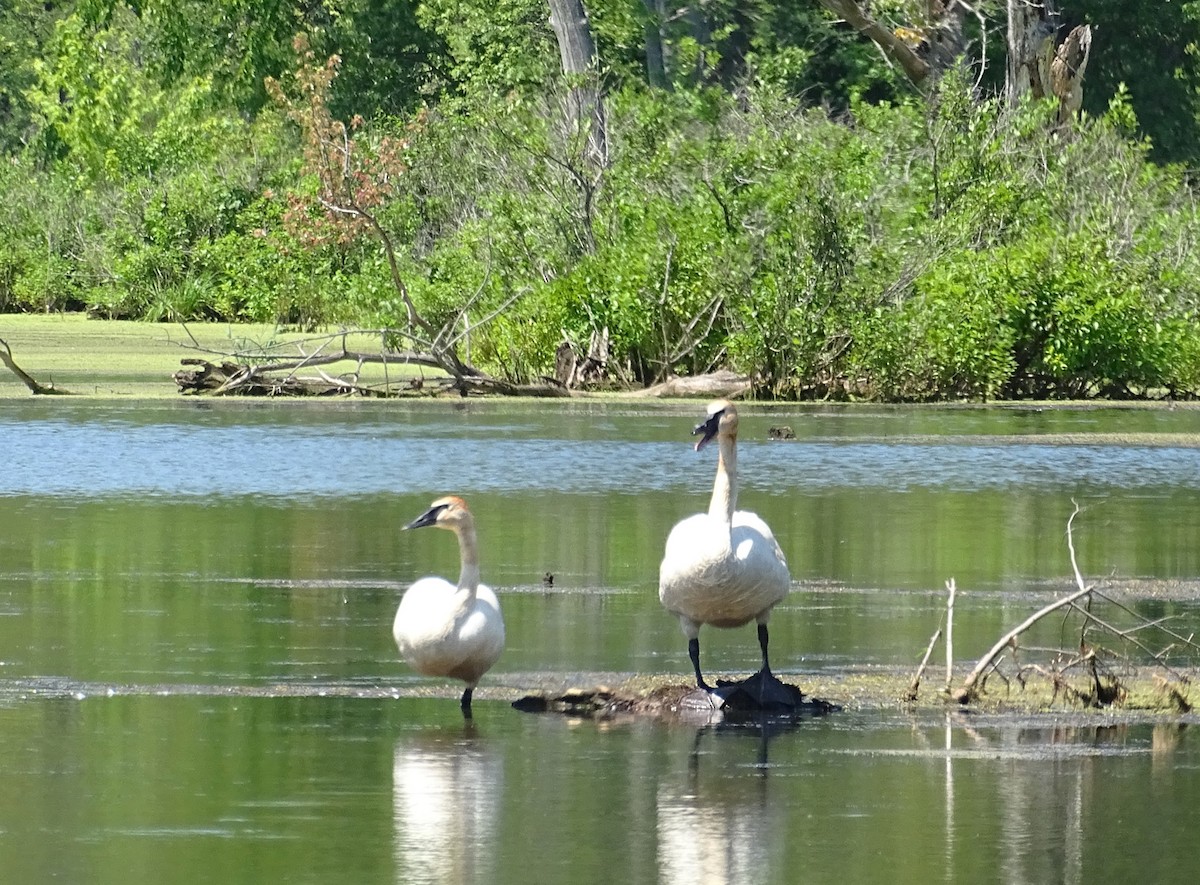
[[724, 567], [444, 629]]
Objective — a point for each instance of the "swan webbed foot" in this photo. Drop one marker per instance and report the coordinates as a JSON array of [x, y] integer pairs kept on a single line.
[[762, 691]]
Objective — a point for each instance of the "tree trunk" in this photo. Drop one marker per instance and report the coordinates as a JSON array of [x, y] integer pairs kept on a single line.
[[577, 50], [1036, 67], [656, 64], [1066, 72], [1031, 28]]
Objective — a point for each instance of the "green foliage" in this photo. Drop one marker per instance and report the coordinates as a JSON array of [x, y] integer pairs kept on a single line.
[[40, 238], [233, 44], [948, 339], [890, 246], [481, 41], [25, 28], [388, 58], [1087, 323], [105, 120]]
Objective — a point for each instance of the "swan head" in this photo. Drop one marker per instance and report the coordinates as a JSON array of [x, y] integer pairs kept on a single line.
[[450, 513], [722, 420]]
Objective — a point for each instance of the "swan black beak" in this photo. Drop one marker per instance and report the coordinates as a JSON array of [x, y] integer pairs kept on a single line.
[[429, 517], [709, 429]]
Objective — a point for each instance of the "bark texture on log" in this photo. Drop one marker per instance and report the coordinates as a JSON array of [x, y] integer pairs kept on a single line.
[[715, 384]]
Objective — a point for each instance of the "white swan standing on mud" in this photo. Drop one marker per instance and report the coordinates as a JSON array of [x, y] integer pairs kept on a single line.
[[446, 630], [724, 567]]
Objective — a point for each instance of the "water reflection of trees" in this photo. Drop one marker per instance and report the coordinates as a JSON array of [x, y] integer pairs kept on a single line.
[[447, 788], [1050, 794]]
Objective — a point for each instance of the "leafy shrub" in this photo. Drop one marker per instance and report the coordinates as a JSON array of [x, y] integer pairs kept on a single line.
[[946, 339]]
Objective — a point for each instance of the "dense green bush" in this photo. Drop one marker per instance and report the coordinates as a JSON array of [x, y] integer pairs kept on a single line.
[[934, 247]]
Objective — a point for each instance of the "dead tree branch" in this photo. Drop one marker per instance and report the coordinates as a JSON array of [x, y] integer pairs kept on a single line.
[[36, 388], [274, 370], [969, 691], [914, 687], [1088, 658], [952, 591], [1127, 636]]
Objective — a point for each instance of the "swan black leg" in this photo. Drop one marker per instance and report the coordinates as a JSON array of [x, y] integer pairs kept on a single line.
[[694, 654], [762, 643], [465, 703]]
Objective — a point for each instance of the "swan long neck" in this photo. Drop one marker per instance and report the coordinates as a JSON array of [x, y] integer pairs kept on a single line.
[[724, 496], [468, 577]]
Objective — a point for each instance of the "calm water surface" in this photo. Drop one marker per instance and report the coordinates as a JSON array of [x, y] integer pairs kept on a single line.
[[191, 594]]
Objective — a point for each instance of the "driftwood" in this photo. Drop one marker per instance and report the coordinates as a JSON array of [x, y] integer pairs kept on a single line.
[[276, 370], [36, 388], [715, 384], [1103, 691]]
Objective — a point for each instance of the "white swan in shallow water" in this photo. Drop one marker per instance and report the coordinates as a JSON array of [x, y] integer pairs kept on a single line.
[[724, 567], [446, 630]]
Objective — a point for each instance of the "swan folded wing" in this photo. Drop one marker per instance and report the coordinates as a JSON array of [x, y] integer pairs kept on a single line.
[[481, 634], [441, 631], [715, 597]]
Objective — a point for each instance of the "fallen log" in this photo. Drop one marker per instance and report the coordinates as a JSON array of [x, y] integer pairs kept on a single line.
[[204, 377], [723, 383], [272, 371], [234, 379]]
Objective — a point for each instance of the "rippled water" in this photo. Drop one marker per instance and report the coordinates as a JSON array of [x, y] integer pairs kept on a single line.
[[279, 451], [198, 683]]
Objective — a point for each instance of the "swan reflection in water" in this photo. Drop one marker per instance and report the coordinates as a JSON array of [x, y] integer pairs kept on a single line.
[[720, 823], [446, 788]]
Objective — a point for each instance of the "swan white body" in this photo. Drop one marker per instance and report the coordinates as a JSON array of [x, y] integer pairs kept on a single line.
[[723, 572], [723, 567], [445, 629]]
